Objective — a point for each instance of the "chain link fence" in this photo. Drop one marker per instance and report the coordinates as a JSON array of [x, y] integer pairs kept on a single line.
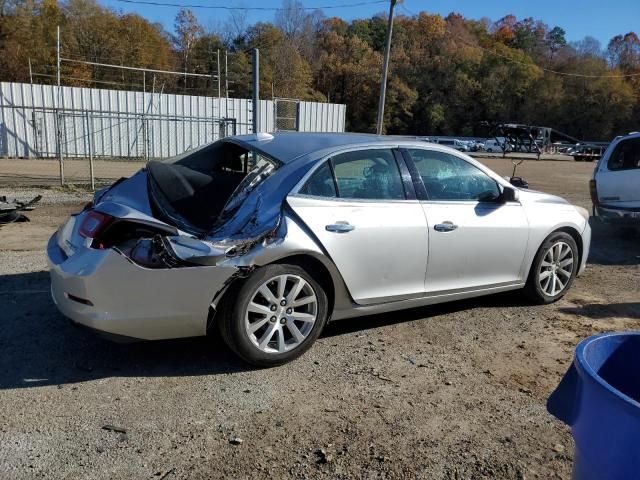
[[91, 146], [286, 114]]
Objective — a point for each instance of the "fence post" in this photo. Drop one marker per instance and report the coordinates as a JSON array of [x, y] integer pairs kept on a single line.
[[90, 142], [256, 90], [145, 139], [59, 144]]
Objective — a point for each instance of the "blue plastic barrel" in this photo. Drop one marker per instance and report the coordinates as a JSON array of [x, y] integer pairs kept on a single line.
[[599, 399]]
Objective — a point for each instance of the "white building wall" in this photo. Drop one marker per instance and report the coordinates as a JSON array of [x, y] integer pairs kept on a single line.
[[117, 123]]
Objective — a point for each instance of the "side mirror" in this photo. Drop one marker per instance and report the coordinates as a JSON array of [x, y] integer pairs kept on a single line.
[[519, 182], [510, 195]]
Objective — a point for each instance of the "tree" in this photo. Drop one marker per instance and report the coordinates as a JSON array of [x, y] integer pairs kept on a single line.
[[588, 47], [555, 40], [188, 30], [291, 18], [624, 51]]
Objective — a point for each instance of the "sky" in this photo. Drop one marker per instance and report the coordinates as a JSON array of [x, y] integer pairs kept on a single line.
[[598, 18]]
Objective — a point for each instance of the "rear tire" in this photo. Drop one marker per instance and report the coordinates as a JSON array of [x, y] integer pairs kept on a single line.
[[553, 270], [274, 316]]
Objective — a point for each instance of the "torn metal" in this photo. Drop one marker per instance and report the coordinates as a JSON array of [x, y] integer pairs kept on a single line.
[[11, 210]]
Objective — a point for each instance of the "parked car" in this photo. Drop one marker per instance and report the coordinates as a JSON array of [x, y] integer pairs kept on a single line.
[[265, 238], [454, 143], [492, 145], [587, 152], [475, 145], [615, 185]]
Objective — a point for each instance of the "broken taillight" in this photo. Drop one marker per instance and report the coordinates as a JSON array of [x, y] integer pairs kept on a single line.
[[94, 223], [593, 191]]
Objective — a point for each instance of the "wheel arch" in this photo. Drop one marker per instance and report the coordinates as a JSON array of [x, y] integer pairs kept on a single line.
[[316, 268], [568, 229], [575, 234], [326, 275]]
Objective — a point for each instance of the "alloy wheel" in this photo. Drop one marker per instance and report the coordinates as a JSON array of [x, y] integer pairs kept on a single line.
[[281, 314], [556, 269]]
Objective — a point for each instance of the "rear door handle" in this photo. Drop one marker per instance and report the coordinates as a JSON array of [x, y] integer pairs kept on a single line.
[[339, 227], [445, 227]]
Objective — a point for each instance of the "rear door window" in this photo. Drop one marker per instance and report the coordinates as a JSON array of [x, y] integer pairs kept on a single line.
[[626, 155], [321, 183], [368, 174]]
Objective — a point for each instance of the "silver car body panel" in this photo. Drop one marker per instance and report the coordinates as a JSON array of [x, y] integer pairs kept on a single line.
[[393, 259], [132, 193], [130, 300], [373, 267], [490, 241]]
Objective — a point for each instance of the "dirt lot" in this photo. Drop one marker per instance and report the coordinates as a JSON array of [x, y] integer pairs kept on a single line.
[[449, 392]]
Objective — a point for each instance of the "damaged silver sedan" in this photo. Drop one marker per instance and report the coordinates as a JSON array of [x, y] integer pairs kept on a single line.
[[264, 238]]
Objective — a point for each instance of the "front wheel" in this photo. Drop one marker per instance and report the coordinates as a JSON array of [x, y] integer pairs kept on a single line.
[[275, 316], [554, 269]]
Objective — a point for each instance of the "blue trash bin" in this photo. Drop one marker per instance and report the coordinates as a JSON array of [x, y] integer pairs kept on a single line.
[[599, 399]]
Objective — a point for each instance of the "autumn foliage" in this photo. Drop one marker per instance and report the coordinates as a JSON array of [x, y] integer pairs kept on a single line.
[[448, 75]]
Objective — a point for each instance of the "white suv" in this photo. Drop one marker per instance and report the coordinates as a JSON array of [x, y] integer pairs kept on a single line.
[[615, 186], [492, 145]]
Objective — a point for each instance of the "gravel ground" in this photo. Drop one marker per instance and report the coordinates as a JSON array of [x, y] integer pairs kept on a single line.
[[448, 392]]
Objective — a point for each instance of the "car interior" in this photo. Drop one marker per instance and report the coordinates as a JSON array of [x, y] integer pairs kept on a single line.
[[208, 176], [447, 177], [626, 155], [366, 174]]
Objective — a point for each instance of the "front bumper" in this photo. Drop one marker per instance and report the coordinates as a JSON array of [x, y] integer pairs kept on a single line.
[[103, 290], [620, 216], [586, 245]]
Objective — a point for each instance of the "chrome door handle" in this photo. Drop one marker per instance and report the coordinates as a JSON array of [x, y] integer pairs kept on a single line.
[[339, 227], [445, 227]]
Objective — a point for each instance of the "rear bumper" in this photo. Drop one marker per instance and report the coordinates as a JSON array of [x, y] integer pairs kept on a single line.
[[103, 290], [609, 214]]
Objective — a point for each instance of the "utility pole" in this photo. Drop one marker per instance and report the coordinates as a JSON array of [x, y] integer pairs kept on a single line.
[[30, 72], [58, 53], [58, 116], [219, 92], [256, 89], [226, 85], [385, 68]]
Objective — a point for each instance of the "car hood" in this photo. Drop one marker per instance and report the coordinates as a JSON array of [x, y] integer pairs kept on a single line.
[[533, 196]]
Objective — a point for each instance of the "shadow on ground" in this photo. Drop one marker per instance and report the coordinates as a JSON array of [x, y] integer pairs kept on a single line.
[[603, 311], [39, 346], [614, 245]]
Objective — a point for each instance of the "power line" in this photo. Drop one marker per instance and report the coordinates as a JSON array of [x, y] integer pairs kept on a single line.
[[532, 64], [270, 9]]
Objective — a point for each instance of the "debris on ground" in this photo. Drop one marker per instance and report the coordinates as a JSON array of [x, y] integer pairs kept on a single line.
[[323, 456], [112, 428], [11, 209]]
